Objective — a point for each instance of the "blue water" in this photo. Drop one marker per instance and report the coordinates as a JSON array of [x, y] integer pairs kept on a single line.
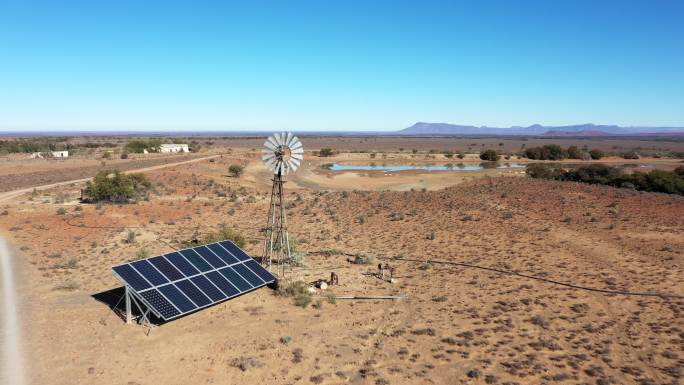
[[448, 167]]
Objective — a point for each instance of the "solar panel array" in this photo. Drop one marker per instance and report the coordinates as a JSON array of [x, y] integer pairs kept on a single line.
[[184, 281]]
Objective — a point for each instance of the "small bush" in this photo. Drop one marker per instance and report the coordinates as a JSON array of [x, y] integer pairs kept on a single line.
[[490, 155], [130, 237], [363, 260], [61, 211], [223, 233], [596, 154], [236, 170], [630, 155], [326, 152], [285, 340], [68, 286], [298, 290]]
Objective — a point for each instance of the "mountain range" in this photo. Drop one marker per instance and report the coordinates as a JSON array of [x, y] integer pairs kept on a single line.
[[588, 129]]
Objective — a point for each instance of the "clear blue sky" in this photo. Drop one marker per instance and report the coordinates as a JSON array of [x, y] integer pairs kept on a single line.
[[338, 65]]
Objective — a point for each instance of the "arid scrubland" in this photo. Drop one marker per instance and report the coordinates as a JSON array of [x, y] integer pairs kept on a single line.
[[458, 323]]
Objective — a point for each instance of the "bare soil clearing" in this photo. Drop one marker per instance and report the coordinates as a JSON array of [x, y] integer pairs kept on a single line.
[[457, 324]]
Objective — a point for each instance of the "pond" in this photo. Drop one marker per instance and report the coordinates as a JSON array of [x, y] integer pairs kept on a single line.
[[425, 167]]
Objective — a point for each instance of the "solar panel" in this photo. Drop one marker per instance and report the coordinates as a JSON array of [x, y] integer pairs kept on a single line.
[[181, 282]]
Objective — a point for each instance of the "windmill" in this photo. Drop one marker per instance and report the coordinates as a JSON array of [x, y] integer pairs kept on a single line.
[[282, 153]]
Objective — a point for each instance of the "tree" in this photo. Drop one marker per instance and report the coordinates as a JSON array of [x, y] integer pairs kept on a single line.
[[490, 155], [630, 155], [115, 186], [326, 152], [236, 170], [596, 154], [679, 171], [574, 152]]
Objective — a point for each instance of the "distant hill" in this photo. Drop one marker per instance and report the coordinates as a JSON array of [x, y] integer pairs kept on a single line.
[[588, 129], [576, 133]]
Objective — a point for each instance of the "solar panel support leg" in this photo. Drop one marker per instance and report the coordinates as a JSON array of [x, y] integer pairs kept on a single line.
[[129, 315]]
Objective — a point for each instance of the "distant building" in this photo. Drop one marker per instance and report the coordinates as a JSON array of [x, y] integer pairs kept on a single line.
[[174, 148], [51, 154], [60, 154]]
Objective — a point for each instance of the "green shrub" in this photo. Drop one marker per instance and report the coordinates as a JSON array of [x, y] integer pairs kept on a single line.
[[115, 186], [222, 234], [574, 152], [490, 155], [139, 146], [548, 152], [596, 154], [299, 290], [236, 170], [326, 152]]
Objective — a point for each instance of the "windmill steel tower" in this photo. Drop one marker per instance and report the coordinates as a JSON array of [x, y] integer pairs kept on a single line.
[[282, 153]]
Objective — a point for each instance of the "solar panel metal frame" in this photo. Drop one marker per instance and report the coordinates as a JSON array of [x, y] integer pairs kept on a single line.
[[219, 247]]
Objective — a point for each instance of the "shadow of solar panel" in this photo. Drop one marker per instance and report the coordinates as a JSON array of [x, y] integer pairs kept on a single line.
[[223, 254], [235, 279], [177, 298], [160, 304], [148, 271], [208, 288], [236, 251], [129, 275], [210, 257], [248, 275], [260, 271], [196, 260]]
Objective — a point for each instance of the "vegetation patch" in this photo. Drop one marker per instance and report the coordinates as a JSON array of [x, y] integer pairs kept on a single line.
[[298, 290], [221, 234], [116, 187], [669, 182]]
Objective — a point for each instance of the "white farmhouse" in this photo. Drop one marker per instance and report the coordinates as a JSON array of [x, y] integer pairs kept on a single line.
[[60, 154], [51, 154], [173, 147]]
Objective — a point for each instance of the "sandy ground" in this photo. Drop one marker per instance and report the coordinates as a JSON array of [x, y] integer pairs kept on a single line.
[[458, 324]]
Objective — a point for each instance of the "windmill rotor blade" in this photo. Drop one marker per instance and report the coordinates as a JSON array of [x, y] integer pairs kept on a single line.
[[295, 161], [298, 157], [297, 151], [294, 141], [296, 146], [267, 157], [288, 138], [269, 145], [293, 165], [279, 139], [270, 164]]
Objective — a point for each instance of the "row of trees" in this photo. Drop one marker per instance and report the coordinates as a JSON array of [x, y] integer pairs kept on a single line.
[[139, 146], [556, 152], [670, 182]]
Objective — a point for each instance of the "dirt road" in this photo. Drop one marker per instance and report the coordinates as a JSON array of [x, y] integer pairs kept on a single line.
[[5, 196]]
